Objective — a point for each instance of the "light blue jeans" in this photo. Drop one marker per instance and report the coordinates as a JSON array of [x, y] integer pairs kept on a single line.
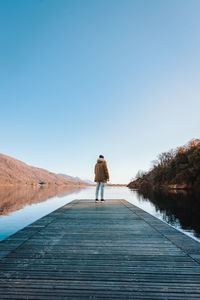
[[102, 184]]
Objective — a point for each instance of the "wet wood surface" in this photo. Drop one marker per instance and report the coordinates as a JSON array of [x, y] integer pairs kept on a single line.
[[110, 250]]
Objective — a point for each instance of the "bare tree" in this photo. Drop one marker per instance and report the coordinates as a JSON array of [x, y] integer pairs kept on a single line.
[[140, 174], [165, 158]]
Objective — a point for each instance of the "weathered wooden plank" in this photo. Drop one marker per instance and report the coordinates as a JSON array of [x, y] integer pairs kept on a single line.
[[105, 269], [111, 257], [57, 262]]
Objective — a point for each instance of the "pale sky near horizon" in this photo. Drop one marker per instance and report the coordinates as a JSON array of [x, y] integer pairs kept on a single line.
[[81, 78]]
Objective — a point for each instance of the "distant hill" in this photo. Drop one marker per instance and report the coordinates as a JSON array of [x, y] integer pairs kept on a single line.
[[88, 181], [76, 179], [13, 172]]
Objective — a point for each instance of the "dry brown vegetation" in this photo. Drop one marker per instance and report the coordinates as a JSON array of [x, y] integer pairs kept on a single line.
[[178, 168]]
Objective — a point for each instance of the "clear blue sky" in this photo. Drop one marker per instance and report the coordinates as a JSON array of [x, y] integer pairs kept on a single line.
[[83, 78]]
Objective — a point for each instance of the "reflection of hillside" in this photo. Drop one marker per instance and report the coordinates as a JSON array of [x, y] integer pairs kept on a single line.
[[182, 206], [15, 198]]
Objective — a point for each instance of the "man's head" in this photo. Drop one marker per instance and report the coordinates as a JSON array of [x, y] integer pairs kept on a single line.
[[101, 156]]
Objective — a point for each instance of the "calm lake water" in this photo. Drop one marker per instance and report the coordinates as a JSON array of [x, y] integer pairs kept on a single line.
[[20, 207]]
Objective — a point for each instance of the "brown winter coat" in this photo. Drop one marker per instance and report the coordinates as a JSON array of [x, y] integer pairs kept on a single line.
[[101, 171]]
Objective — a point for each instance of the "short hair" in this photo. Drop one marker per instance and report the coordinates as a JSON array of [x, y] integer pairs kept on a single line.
[[101, 156]]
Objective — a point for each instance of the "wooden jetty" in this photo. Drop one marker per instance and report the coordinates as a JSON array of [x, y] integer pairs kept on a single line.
[[111, 250]]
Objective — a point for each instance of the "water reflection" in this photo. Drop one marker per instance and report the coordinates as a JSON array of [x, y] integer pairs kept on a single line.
[[15, 198], [20, 207], [180, 209]]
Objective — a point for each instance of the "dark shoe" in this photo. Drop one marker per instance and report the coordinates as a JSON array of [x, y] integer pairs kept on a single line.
[[102, 200], [96, 200]]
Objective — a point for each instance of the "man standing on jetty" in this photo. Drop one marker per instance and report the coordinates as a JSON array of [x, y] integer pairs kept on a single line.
[[101, 176]]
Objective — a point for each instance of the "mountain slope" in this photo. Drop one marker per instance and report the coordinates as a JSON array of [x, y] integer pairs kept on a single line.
[[13, 171]]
